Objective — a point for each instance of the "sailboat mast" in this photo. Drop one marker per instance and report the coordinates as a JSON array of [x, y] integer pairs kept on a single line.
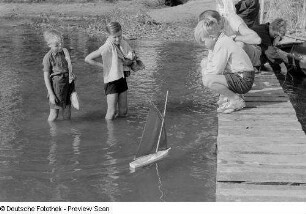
[[163, 120]]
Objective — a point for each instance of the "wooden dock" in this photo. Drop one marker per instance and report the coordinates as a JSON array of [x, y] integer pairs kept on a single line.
[[262, 148]]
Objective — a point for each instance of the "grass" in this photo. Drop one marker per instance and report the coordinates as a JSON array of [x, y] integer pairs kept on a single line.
[[293, 11], [56, 1], [136, 24]]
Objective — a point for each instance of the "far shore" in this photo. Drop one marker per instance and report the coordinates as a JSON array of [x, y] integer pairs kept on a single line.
[[139, 21]]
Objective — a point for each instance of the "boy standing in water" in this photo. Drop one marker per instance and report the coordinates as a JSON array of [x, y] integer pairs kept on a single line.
[[116, 55], [229, 70], [57, 71]]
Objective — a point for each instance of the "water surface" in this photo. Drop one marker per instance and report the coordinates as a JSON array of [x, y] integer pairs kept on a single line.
[[87, 158]]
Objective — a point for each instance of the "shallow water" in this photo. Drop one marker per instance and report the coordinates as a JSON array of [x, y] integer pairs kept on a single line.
[[295, 86], [87, 158]]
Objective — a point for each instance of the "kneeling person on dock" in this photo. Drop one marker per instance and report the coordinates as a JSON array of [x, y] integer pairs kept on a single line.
[[229, 70], [270, 35]]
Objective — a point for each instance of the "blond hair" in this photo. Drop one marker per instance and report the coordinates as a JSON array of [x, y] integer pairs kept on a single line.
[[279, 25], [52, 36], [113, 27], [207, 27]]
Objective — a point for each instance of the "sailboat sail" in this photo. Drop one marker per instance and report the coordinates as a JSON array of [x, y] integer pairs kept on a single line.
[[151, 133]]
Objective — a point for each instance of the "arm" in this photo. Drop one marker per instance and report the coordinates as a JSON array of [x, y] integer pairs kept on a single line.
[[90, 59], [49, 87], [248, 36], [129, 53], [216, 61], [250, 8], [68, 59], [47, 71], [220, 59]]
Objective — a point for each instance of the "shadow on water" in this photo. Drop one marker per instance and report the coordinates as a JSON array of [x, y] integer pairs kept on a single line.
[[87, 158], [295, 86]]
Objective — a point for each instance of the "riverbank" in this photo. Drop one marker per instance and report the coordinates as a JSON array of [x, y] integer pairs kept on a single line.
[[139, 20]]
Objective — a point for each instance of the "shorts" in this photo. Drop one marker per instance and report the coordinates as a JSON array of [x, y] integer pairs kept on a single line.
[[61, 89], [116, 87], [254, 53], [240, 83]]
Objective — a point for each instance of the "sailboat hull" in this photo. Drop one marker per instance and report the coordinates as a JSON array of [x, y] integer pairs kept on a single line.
[[148, 159]]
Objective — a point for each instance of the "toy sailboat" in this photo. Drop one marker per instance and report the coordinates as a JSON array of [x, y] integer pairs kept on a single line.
[[153, 144]]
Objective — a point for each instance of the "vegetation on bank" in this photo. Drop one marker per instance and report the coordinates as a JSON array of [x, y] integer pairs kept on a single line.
[[138, 24], [293, 11]]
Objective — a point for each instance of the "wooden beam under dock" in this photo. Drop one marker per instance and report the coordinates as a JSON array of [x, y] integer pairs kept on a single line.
[[262, 148]]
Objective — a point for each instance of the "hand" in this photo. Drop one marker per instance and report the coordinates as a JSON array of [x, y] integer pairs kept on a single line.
[[233, 37], [127, 62], [277, 40], [52, 99], [303, 62], [72, 77], [272, 53], [283, 68], [131, 55]]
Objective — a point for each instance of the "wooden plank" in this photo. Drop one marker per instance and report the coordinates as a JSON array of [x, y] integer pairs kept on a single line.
[[262, 144], [279, 159], [273, 105], [261, 113], [258, 121], [257, 131], [266, 94], [248, 141], [258, 146], [253, 123], [260, 193], [266, 99], [260, 174]]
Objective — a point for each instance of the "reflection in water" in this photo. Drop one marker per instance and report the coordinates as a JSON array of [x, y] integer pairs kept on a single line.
[[109, 187], [87, 158], [159, 184], [76, 148], [295, 87], [59, 188]]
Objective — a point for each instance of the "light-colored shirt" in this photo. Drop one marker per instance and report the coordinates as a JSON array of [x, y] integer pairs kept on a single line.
[[55, 63], [112, 63], [226, 57], [231, 24]]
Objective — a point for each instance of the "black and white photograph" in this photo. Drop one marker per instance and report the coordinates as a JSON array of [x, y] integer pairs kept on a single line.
[[110, 101]]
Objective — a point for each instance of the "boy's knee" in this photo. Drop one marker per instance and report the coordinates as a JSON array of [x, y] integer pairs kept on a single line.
[[123, 112], [53, 115], [207, 81], [67, 113], [110, 115]]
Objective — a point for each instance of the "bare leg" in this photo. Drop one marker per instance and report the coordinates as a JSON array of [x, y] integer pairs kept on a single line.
[[112, 100], [53, 114], [122, 104], [67, 113]]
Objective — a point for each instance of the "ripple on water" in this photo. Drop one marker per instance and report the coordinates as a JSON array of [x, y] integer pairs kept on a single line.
[[87, 158]]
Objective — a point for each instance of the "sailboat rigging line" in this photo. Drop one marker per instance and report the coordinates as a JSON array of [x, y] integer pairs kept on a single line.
[[159, 184], [163, 121], [142, 134]]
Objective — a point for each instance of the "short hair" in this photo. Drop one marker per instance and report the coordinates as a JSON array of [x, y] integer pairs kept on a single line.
[[52, 35], [206, 27], [113, 27], [278, 23], [210, 14]]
